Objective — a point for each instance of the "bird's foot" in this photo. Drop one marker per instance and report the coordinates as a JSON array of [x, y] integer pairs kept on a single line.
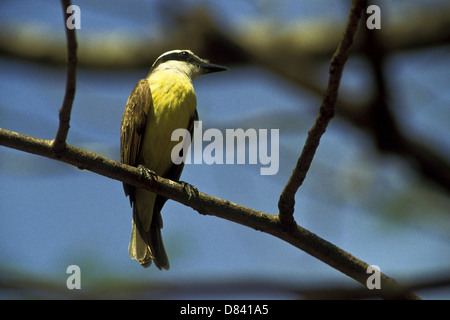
[[147, 173], [190, 189]]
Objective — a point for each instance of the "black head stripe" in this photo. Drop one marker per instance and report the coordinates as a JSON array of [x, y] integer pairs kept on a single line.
[[182, 55]]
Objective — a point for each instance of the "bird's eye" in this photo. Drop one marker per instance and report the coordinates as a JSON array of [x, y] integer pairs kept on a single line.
[[184, 53]]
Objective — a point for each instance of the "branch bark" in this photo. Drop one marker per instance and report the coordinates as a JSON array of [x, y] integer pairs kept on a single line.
[[64, 112], [326, 112]]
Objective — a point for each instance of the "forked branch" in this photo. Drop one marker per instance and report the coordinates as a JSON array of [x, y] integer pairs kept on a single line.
[[326, 112], [59, 142]]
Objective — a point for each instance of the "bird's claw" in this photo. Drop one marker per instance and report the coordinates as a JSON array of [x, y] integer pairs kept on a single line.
[[190, 189], [147, 173]]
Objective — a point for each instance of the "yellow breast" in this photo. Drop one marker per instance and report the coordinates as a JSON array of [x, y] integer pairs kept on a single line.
[[174, 104]]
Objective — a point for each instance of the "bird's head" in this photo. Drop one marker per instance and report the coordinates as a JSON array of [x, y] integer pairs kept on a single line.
[[185, 61]]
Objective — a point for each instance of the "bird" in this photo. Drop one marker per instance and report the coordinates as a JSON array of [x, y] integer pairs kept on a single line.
[[159, 104]]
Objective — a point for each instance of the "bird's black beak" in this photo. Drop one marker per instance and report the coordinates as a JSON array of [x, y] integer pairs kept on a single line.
[[211, 67]]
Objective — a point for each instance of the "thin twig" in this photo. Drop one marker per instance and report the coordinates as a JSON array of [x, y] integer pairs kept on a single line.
[[206, 204], [326, 112], [64, 112]]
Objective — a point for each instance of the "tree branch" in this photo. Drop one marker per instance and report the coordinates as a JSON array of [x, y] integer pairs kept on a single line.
[[209, 205], [64, 112], [287, 198]]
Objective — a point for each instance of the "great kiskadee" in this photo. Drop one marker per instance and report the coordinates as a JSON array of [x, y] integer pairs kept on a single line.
[[159, 104]]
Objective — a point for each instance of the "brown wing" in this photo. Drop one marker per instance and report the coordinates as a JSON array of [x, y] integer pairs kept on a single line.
[[132, 130]]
